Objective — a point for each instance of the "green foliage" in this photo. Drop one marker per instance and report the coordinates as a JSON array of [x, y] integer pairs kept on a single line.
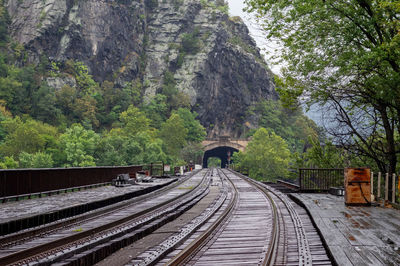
[[78, 146], [267, 156], [157, 109], [224, 9], [196, 132], [220, 5], [324, 155], [85, 82], [128, 135], [43, 107], [116, 148], [27, 136], [9, 163], [151, 4], [190, 42], [290, 124], [173, 133], [4, 114], [16, 87], [177, 3], [235, 19], [134, 121], [111, 101], [192, 152], [175, 98], [214, 162], [345, 55], [4, 22], [36, 160]]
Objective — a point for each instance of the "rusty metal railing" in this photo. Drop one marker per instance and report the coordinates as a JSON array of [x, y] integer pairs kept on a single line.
[[154, 169], [29, 181], [320, 180]]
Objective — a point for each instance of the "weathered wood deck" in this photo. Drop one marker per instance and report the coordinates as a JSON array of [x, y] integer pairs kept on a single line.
[[356, 235]]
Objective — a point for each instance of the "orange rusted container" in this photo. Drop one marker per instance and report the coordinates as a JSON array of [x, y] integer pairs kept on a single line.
[[357, 182]]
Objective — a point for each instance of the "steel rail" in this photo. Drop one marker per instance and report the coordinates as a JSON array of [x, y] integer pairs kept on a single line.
[[305, 258], [195, 245], [54, 245], [270, 256]]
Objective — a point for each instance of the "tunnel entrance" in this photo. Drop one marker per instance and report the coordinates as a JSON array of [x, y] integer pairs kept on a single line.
[[220, 152]]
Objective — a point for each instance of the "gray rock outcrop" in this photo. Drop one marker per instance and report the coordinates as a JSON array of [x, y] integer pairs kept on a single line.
[[125, 40]]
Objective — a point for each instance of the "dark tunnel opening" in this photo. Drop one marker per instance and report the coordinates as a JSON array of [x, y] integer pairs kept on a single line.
[[223, 153]]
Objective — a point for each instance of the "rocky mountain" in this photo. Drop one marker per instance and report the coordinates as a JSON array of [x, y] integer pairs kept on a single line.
[[211, 57]]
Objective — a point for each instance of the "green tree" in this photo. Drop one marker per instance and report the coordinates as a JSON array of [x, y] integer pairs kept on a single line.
[[85, 110], [192, 152], [4, 114], [78, 146], [289, 123], [4, 22], [134, 121], [16, 88], [44, 105], [324, 155], [214, 162], [65, 98], [112, 149], [9, 163], [191, 42], [30, 136], [85, 83], [344, 55], [152, 149], [196, 132], [267, 156], [175, 98], [173, 133], [117, 148], [157, 109], [36, 160], [111, 101]]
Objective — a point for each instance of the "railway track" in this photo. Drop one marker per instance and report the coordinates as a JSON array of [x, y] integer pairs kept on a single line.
[[103, 231], [247, 223], [256, 225]]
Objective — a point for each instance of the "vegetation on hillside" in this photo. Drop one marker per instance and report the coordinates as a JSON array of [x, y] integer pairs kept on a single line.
[[86, 123], [54, 114]]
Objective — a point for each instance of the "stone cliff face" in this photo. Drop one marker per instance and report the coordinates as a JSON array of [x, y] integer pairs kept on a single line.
[[212, 57]]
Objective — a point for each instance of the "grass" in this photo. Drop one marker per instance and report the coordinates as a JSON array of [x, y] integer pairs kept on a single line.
[[191, 187]]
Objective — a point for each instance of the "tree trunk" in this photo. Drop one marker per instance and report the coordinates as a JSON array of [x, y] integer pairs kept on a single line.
[[391, 147]]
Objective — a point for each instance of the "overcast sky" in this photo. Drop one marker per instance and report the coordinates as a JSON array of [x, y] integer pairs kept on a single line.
[[236, 9]]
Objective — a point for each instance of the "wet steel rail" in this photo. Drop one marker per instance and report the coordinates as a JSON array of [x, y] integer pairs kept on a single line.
[[115, 228], [248, 235], [259, 226]]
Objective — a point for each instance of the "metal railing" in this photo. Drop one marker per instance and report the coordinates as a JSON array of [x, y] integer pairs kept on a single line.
[[320, 180], [154, 169], [28, 181]]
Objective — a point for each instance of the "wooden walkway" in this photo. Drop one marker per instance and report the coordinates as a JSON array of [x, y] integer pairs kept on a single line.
[[356, 235]]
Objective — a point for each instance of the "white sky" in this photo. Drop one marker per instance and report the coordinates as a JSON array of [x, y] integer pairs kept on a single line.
[[236, 9]]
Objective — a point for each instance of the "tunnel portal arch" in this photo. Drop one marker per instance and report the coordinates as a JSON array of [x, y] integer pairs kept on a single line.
[[222, 152]]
